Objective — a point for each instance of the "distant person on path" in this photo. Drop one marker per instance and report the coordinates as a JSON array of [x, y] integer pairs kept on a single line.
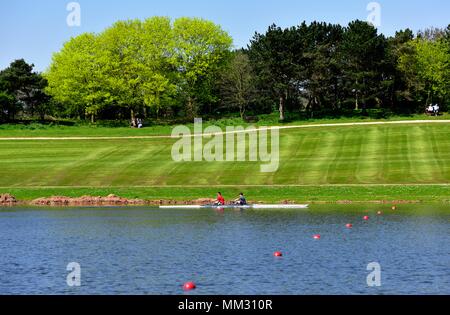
[[430, 109], [436, 110], [139, 123]]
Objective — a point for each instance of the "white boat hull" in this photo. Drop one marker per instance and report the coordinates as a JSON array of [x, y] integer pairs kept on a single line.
[[237, 207]]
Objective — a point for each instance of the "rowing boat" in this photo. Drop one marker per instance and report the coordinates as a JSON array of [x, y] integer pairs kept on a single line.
[[255, 206]]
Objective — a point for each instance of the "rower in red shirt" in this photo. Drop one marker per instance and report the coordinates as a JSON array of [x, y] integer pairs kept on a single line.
[[220, 200]]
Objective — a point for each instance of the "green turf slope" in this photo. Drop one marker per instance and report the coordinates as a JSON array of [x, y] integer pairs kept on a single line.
[[382, 154]]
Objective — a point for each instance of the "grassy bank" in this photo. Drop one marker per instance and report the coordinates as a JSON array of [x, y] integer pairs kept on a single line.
[[310, 194], [381, 154], [323, 164], [102, 130]]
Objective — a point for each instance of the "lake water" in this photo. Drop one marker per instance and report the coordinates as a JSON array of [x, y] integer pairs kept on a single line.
[[152, 251]]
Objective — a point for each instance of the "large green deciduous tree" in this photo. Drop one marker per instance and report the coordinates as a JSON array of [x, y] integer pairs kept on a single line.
[[427, 67], [201, 50], [137, 65], [76, 77]]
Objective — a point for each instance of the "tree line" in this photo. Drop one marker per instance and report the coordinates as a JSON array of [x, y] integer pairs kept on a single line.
[[165, 70]]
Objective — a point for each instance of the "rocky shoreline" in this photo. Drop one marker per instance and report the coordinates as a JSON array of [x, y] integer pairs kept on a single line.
[[7, 199], [97, 201]]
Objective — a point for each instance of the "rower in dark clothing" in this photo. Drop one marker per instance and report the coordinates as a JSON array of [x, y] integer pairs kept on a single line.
[[241, 200]]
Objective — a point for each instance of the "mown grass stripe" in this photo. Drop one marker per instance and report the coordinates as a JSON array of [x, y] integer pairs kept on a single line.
[[368, 166]]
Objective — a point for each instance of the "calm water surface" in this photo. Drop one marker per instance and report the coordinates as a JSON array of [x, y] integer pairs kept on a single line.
[[152, 251]]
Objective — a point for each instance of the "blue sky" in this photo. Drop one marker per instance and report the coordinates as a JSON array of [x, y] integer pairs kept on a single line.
[[35, 29]]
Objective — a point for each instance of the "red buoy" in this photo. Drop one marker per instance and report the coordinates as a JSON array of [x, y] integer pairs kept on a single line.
[[317, 237], [349, 225], [188, 286], [278, 254], [366, 218]]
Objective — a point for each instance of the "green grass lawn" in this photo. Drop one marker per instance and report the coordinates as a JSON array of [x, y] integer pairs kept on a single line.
[[354, 160], [87, 130]]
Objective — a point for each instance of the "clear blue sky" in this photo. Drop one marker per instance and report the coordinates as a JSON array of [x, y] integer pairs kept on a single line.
[[35, 29]]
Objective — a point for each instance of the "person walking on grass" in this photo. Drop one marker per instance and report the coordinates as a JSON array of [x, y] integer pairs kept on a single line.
[[436, 110]]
